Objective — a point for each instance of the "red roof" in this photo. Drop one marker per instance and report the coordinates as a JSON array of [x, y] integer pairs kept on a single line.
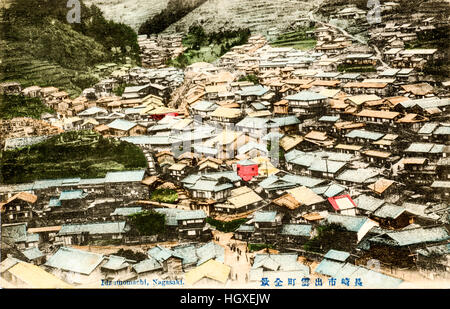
[[334, 201]]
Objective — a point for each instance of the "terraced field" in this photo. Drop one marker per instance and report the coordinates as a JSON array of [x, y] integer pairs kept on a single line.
[[257, 15], [295, 39]]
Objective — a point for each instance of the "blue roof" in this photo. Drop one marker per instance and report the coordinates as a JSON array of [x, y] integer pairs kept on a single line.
[[173, 215], [126, 211], [75, 260], [205, 106], [245, 228], [365, 134], [149, 264], [350, 223], [115, 263], [71, 195], [368, 203], [389, 211], [306, 96], [209, 251], [273, 182], [185, 252], [360, 175], [32, 253], [94, 228], [329, 118], [281, 262], [256, 90], [121, 124], [210, 185], [442, 130], [306, 181], [340, 256], [328, 166], [283, 121], [296, 230], [419, 235], [329, 190], [425, 148], [54, 202], [124, 176], [252, 122], [92, 110], [328, 267], [264, 216], [428, 128], [159, 253]]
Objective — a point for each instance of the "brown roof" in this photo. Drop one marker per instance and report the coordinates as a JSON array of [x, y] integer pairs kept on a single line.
[[419, 89], [150, 180], [414, 161], [396, 100], [282, 102], [348, 125], [376, 153], [313, 216], [101, 128], [317, 135], [377, 114], [290, 141], [348, 147], [287, 201], [327, 83], [412, 118], [165, 152], [365, 85], [24, 196], [217, 161], [44, 229], [380, 185]]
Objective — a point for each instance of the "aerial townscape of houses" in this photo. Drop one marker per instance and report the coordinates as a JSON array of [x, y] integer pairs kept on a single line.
[[307, 150]]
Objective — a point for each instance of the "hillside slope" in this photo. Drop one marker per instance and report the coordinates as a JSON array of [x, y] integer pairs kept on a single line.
[[130, 12], [257, 15]]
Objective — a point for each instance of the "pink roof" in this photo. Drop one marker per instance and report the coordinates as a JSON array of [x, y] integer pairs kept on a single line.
[[341, 202]]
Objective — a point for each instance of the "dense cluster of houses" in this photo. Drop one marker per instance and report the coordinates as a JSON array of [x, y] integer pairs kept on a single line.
[[156, 50], [297, 148]]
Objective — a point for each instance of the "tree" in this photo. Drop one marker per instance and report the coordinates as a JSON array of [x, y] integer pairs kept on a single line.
[[148, 223]]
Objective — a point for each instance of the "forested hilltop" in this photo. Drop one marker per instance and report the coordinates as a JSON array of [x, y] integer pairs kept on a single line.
[[40, 47]]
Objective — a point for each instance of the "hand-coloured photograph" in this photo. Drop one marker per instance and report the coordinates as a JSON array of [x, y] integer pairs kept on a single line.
[[226, 145]]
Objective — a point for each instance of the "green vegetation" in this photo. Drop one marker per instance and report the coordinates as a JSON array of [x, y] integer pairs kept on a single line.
[[439, 39], [331, 236], [20, 106], [296, 39], [355, 69], [257, 247], [131, 255], [175, 10], [250, 78], [147, 223], [41, 48], [84, 154], [226, 227], [164, 196], [120, 89], [203, 47]]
